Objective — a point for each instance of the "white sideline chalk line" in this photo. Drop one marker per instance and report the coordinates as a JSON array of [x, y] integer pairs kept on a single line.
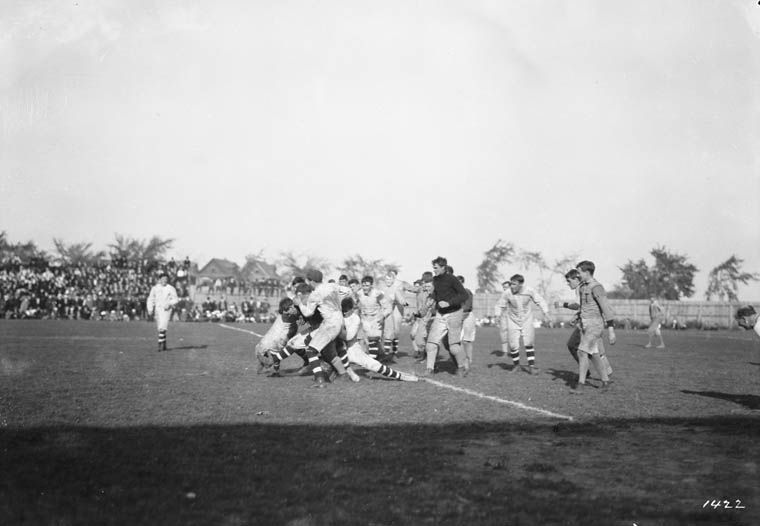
[[75, 337], [499, 400], [241, 330], [460, 389]]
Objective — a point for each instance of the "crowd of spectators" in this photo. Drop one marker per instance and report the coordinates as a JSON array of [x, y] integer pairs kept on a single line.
[[252, 310], [116, 289]]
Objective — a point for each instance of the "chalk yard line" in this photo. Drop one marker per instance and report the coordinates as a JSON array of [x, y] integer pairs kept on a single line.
[[497, 399], [222, 325]]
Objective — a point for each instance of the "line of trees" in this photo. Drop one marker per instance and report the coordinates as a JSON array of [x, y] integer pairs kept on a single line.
[[671, 276], [123, 248]]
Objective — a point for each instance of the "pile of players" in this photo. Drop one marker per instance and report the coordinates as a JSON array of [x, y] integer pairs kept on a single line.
[[321, 324]]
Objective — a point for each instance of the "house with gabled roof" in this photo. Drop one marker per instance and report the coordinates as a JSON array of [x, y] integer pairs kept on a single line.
[[220, 268], [258, 270]]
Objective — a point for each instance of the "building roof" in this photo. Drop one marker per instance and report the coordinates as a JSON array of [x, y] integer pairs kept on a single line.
[[220, 268], [257, 269]]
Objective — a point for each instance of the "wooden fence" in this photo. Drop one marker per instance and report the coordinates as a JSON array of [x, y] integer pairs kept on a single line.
[[684, 313]]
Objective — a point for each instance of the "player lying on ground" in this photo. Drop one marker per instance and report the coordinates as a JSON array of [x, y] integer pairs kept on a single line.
[[351, 341]]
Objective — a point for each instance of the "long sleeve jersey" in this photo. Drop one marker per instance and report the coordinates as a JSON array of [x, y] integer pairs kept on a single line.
[[517, 306], [370, 305], [326, 298], [448, 288], [393, 297], [162, 297], [593, 302], [350, 331]]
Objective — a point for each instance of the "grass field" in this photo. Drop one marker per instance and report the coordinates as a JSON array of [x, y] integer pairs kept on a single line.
[[98, 428]]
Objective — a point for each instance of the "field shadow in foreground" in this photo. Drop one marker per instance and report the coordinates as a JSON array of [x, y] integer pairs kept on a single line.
[[749, 401], [608, 472]]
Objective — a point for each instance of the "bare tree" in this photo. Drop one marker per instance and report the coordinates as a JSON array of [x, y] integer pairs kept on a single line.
[[291, 265], [20, 252], [546, 271], [489, 275], [723, 280], [358, 267]]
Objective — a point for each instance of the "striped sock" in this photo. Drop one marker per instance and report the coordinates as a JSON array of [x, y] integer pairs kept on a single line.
[[314, 364], [388, 346], [390, 373], [395, 345], [343, 355], [530, 353], [278, 356], [162, 338], [302, 354], [373, 346], [515, 355]]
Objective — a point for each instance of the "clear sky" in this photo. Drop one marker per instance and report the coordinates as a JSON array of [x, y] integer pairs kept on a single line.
[[400, 130]]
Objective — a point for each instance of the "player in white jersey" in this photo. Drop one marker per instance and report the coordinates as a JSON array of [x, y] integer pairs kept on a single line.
[[161, 301], [372, 312], [350, 338], [394, 301], [516, 316], [468, 324], [326, 299]]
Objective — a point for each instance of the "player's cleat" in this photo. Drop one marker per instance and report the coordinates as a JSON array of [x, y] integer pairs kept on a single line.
[[275, 374], [406, 377], [319, 381], [352, 375], [422, 359], [428, 373], [515, 369], [578, 389], [648, 346], [605, 387], [534, 370], [465, 371], [661, 346]]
